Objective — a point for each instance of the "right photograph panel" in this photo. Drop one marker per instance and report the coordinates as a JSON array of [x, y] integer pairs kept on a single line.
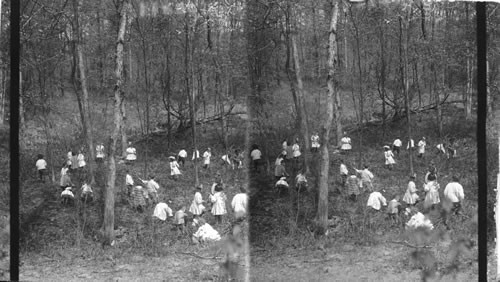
[[361, 139]]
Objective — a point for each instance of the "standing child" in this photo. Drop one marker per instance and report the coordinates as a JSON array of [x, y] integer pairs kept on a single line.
[[197, 208], [206, 158], [345, 143], [432, 192], [139, 196], [389, 157], [196, 155], [301, 182], [152, 188], [296, 153], [87, 193], [99, 157], [396, 146], [343, 173], [129, 182], [74, 162], [256, 156], [366, 178], [421, 147], [240, 203], [411, 196], [131, 156], [174, 168], [41, 166], [315, 142], [179, 220], [393, 209], [66, 180], [219, 203], [352, 187], [181, 157], [81, 161], [454, 193]]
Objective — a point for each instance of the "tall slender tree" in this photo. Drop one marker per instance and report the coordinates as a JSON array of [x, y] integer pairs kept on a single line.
[[109, 206], [322, 215]]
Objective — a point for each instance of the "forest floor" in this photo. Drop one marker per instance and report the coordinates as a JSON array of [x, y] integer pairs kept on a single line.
[[60, 244]]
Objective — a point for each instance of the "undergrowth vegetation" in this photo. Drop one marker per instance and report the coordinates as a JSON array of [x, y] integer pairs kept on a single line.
[[279, 223]]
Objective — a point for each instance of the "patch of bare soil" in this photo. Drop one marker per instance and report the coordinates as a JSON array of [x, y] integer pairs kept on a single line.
[[385, 262]]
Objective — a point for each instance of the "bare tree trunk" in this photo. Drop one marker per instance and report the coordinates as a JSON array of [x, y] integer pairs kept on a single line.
[[407, 83], [302, 103], [85, 107], [322, 216], [124, 129], [191, 96], [109, 210]]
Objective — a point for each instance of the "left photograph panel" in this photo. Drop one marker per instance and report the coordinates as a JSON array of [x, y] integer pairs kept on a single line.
[[131, 145]]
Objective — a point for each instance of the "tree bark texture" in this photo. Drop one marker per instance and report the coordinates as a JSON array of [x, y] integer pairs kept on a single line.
[[109, 207], [304, 124], [85, 107], [332, 89]]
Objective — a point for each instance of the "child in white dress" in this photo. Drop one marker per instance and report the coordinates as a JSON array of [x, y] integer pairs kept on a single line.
[[131, 154], [389, 157], [219, 203], [411, 196], [174, 168], [432, 192], [197, 208]]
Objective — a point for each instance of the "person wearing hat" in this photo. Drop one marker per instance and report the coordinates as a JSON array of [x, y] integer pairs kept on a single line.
[[131, 156], [421, 147], [67, 196], [218, 200], [345, 143], [197, 208], [411, 197], [174, 168], [99, 157], [206, 158], [389, 157]]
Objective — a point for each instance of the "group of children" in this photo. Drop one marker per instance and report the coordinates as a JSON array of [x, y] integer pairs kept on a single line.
[[362, 180]]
